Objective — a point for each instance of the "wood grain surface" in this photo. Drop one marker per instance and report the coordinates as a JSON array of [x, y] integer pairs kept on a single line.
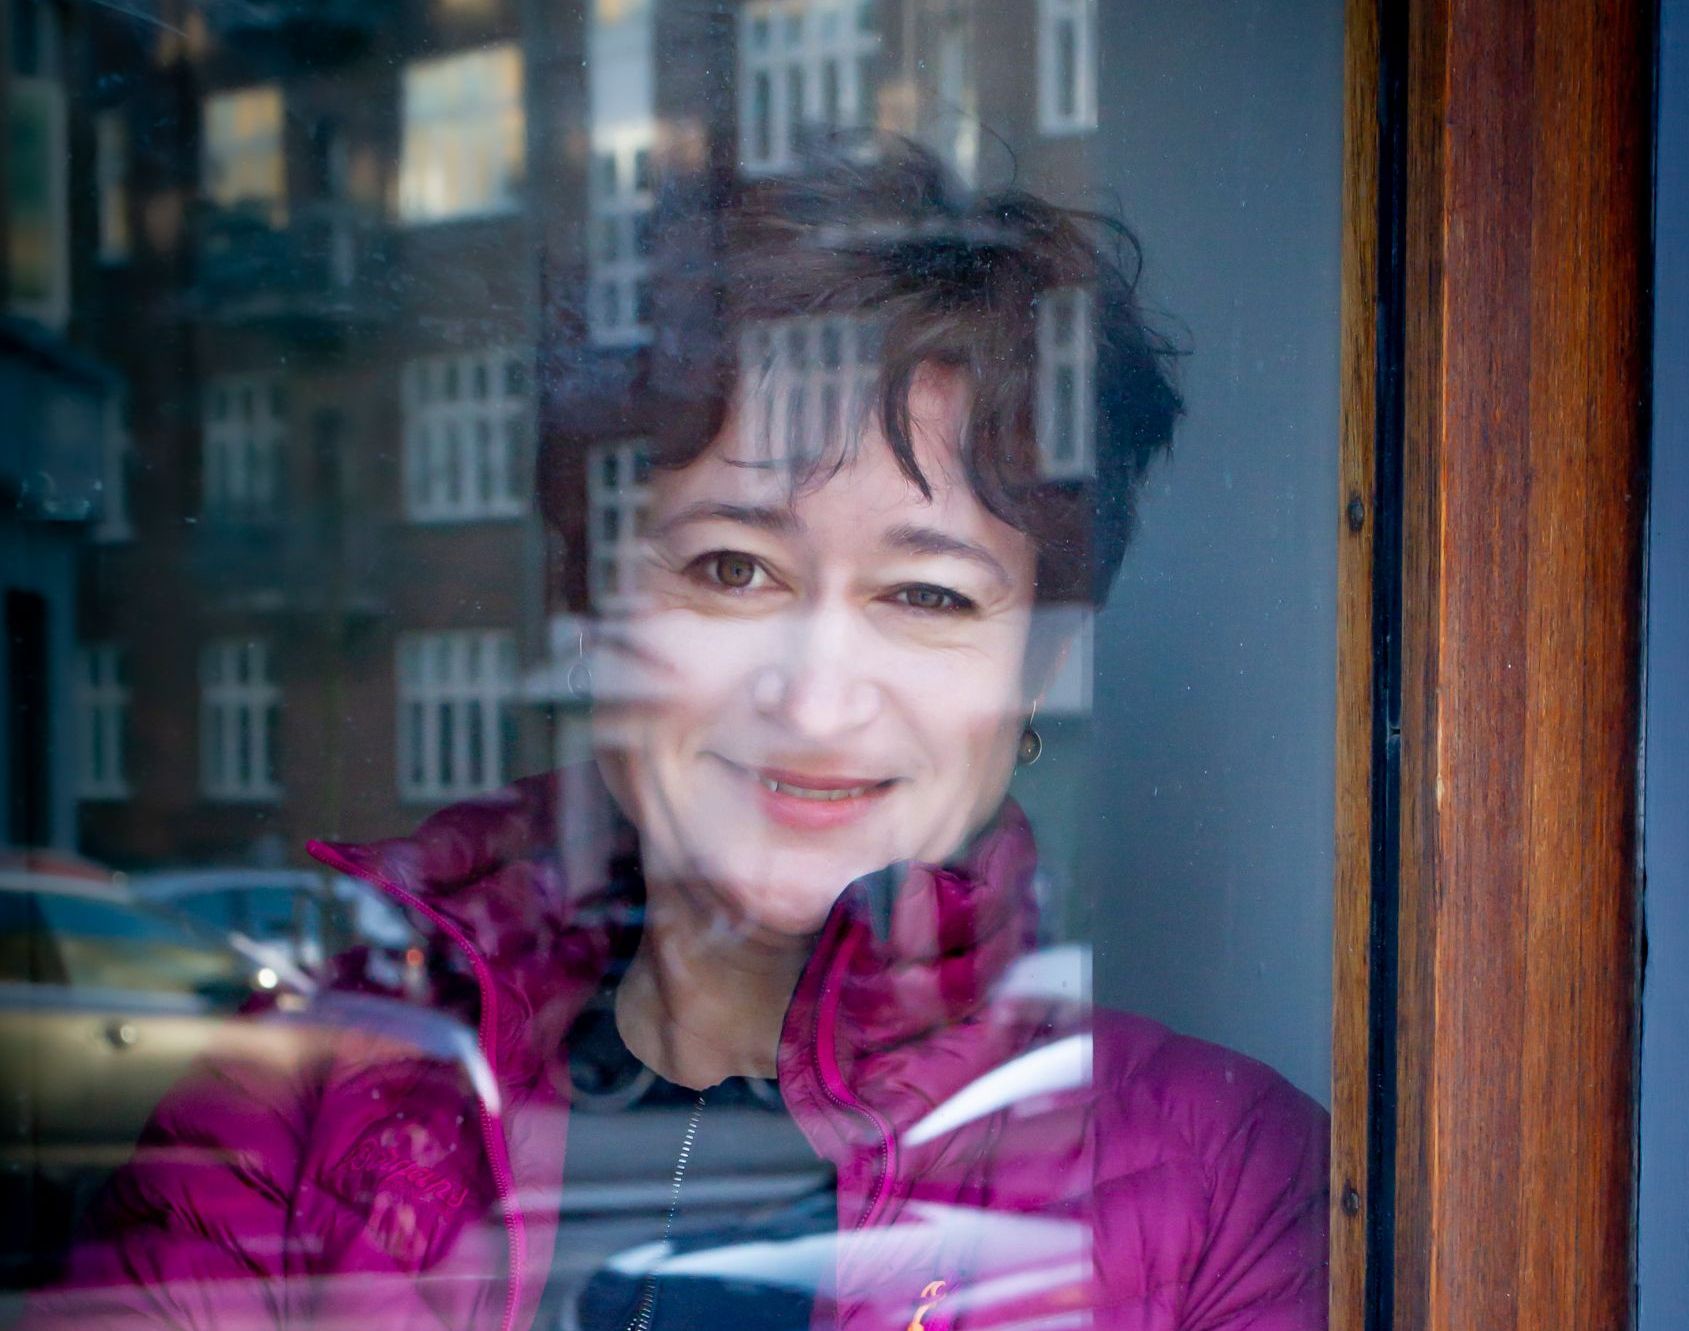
[[1526, 365], [1352, 905]]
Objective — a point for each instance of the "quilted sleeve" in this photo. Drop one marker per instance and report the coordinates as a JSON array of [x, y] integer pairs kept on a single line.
[[1263, 1263], [192, 1232]]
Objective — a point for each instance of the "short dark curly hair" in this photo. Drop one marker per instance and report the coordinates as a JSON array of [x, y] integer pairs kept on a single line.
[[877, 229]]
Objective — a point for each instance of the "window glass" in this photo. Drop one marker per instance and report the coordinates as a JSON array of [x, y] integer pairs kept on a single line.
[[240, 707], [224, 909], [108, 944], [111, 180], [463, 135], [19, 951], [721, 613], [462, 433], [244, 166]]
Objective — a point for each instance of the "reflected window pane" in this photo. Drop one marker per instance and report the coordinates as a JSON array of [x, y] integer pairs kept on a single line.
[[463, 130]]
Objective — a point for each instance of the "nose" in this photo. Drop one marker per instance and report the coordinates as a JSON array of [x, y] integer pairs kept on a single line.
[[820, 684]]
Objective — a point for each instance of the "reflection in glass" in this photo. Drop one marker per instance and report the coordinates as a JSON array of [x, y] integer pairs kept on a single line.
[[677, 451]]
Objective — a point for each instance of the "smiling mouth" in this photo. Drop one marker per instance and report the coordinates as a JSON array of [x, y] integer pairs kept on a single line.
[[824, 794], [811, 786]]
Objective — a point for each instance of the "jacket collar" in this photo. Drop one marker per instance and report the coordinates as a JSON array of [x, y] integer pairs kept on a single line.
[[541, 881]]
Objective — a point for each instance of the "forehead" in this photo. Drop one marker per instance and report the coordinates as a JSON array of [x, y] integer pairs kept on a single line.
[[853, 480]]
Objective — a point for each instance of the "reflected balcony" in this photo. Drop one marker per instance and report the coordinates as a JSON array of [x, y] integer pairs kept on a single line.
[[301, 565], [320, 32], [323, 272]]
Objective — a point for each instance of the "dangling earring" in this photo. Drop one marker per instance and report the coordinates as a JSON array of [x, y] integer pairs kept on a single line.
[[579, 678], [1031, 742]]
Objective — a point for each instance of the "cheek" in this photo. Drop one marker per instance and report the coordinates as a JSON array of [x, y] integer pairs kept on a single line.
[[969, 713], [674, 669]]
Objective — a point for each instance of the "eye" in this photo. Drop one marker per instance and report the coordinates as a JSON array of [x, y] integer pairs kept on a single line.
[[730, 569], [939, 600]]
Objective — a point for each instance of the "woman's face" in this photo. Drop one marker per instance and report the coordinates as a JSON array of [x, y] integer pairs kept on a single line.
[[815, 682]]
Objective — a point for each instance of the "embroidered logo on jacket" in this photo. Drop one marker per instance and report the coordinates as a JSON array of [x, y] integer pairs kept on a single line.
[[391, 1169], [931, 1295]]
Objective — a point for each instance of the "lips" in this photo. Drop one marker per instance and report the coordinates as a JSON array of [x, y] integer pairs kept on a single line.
[[813, 801], [826, 789]]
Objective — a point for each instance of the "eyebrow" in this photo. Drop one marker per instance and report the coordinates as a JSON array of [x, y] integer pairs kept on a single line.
[[779, 520], [931, 541]]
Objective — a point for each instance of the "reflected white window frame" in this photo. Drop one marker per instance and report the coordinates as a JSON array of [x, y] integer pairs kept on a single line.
[[117, 457], [803, 381], [244, 431], [807, 53], [111, 186], [466, 417], [618, 491], [463, 148], [1067, 66], [243, 150], [620, 198], [621, 76], [455, 691], [240, 721], [1066, 405], [101, 705]]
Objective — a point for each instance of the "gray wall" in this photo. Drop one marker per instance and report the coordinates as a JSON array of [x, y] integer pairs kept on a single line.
[[1209, 831], [1664, 1219]]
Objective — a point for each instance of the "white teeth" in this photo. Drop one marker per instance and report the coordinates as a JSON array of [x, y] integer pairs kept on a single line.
[[803, 793]]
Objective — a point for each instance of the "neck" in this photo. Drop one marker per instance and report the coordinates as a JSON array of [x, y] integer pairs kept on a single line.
[[702, 1002]]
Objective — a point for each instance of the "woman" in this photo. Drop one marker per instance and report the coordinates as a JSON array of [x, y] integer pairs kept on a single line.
[[807, 715]]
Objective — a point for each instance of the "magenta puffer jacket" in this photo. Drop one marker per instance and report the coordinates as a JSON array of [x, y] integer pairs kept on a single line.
[[1051, 1164]]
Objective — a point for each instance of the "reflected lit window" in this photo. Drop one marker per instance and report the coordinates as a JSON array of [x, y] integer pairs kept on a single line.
[[239, 721], [465, 423], [455, 724], [803, 65], [618, 492], [1067, 356], [117, 457], [244, 431], [804, 381], [102, 720], [949, 84], [38, 167], [463, 135], [620, 185], [243, 159], [1067, 66], [111, 184]]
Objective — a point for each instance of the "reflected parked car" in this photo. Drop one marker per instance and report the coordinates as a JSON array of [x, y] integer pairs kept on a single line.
[[105, 1001], [299, 918]]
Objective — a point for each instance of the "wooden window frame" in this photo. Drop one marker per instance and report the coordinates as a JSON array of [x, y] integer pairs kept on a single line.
[[1496, 356]]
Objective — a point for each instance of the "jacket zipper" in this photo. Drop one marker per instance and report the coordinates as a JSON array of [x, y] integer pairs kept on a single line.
[[647, 1305], [833, 1084], [492, 1131]]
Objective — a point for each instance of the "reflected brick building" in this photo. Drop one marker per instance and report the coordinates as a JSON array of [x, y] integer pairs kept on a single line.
[[332, 241]]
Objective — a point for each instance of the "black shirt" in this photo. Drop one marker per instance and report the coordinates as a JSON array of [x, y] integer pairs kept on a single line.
[[752, 1219]]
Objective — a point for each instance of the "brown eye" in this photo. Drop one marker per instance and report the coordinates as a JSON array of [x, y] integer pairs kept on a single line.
[[733, 570], [923, 596]]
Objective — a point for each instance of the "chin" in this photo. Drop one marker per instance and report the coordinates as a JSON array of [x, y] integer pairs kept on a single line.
[[789, 895], [789, 910]]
